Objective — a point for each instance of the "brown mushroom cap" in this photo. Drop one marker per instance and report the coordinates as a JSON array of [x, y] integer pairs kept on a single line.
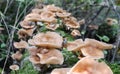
[[48, 16], [53, 8], [48, 39], [52, 26], [97, 44], [90, 66], [92, 52], [14, 67], [37, 11], [34, 59], [53, 56], [27, 24], [63, 14], [17, 56], [33, 17], [75, 33], [60, 71], [75, 45], [32, 50], [21, 44]]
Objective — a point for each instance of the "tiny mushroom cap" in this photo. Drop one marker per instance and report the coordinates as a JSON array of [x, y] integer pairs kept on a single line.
[[111, 21], [47, 16], [14, 67], [27, 24], [52, 26], [63, 14], [75, 45], [82, 21], [72, 23], [53, 56], [21, 44], [37, 10], [88, 65], [97, 44], [17, 56], [60, 71], [92, 52], [53, 8], [34, 59], [48, 39], [75, 33], [33, 17]]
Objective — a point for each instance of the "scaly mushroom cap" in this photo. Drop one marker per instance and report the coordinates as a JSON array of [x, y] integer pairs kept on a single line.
[[75, 33], [33, 17], [14, 67], [72, 23], [34, 59], [90, 66], [97, 44], [27, 24], [60, 71], [48, 39], [92, 52], [17, 56], [52, 26], [75, 45], [37, 11], [48, 16], [21, 44], [53, 56], [23, 33], [63, 14], [53, 8]]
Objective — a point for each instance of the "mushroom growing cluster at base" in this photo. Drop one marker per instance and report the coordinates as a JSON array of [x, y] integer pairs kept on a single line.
[[40, 37]]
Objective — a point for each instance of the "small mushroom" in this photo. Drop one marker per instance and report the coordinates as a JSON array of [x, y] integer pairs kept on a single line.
[[75, 33], [54, 56], [82, 21], [60, 71], [75, 45], [90, 66], [52, 26], [53, 8], [23, 33], [33, 17], [21, 44], [34, 59], [48, 39], [27, 24], [63, 14], [17, 56], [47, 16], [32, 50], [111, 21], [14, 67], [92, 52], [97, 44]]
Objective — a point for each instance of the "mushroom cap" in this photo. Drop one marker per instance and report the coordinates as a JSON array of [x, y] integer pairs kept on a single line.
[[75, 45], [75, 33], [27, 24], [14, 67], [53, 56], [60, 71], [92, 52], [32, 50], [48, 16], [21, 44], [17, 56], [52, 26], [63, 14], [53, 8], [90, 66], [48, 39], [34, 59], [33, 17], [97, 44], [37, 10]]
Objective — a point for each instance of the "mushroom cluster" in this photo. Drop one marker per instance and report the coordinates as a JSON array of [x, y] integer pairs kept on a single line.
[[44, 47]]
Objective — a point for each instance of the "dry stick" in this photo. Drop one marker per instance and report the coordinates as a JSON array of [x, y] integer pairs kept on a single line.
[[118, 36]]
